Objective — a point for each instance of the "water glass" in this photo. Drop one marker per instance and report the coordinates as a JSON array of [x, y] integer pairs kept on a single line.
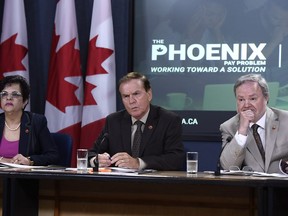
[[82, 160], [192, 162]]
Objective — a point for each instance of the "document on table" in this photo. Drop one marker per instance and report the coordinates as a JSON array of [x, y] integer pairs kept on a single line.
[[74, 169], [123, 171], [252, 173], [12, 165], [115, 171], [127, 170], [107, 170]]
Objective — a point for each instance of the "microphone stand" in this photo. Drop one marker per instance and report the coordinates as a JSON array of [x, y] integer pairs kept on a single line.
[[96, 161], [218, 168]]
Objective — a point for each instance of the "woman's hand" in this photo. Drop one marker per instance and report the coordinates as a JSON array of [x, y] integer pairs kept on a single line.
[[20, 159]]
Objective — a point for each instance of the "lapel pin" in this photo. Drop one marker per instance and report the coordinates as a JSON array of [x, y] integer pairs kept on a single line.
[[150, 127], [27, 131]]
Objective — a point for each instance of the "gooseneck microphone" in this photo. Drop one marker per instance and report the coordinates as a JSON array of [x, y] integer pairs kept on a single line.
[[218, 168], [104, 137], [97, 147]]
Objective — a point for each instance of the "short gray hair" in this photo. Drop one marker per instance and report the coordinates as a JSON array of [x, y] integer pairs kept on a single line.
[[253, 78]]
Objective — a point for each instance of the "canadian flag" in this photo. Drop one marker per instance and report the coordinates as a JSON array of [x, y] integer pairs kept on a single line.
[[100, 85], [65, 84], [14, 46]]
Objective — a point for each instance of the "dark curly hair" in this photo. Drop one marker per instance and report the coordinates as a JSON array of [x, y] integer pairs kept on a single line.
[[16, 79]]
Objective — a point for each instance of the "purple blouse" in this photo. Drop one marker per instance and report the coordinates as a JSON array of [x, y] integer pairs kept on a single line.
[[8, 149]]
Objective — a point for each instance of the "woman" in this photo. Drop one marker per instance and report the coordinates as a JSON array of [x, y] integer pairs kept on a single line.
[[24, 136]]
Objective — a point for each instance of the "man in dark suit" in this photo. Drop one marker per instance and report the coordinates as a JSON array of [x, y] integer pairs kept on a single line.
[[239, 142], [161, 145]]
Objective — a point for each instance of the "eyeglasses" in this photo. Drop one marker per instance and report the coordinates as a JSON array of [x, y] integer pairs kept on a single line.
[[245, 168], [12, 95]]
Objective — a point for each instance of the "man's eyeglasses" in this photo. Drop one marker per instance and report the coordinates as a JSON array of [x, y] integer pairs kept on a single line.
[[12, 95], [236, 168]]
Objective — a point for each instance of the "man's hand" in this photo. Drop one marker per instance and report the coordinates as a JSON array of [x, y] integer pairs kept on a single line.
[[104, 160], [122, 159], [246, 117]]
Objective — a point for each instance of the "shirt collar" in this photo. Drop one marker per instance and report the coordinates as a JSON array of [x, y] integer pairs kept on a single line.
[[143, 119], [261, 121]]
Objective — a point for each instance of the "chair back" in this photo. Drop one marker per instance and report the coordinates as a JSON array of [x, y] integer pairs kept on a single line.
[[64, 143]]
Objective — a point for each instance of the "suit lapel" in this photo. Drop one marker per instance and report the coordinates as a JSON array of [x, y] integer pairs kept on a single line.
[[271, 129], [126, 124], [253, 149], [24, 135], [150, 126], [272, 124]]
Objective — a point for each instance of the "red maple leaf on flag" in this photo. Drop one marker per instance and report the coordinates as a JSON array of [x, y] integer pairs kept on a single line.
[[64, 64], [89, 99], [11, 55], [97, 55]]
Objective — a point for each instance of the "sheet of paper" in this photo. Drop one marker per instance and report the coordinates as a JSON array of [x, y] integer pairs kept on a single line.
[[20, 166], [75, 169], [125, 170], [253, 173]]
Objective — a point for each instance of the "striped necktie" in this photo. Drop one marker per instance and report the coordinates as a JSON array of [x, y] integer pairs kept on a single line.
[[258, 140]]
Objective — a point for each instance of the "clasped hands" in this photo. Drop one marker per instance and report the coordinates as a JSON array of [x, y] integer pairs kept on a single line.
[[120, 159], [17, 159]]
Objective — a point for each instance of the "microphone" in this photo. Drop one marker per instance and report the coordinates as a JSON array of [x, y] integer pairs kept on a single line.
[[98, 144], [104, 137], [218, 168]]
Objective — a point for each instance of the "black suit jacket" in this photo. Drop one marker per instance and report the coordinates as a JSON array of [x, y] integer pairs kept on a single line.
[[35, 141], [161, 146]]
